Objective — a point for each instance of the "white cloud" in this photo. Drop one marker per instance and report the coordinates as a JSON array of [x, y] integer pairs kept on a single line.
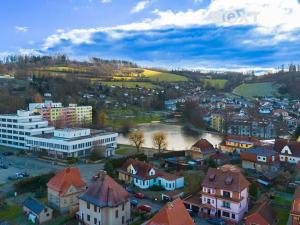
[[21, 29], [277, 18], [140, 6], [27, 51]]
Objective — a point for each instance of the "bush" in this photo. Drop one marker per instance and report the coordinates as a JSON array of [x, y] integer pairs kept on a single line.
[[117, 163], [169, 154], [33, 184], [156, 188], [72, 160]]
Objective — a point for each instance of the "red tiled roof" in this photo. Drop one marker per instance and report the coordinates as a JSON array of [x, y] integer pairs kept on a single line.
[[168, 176], [265, 211], [293, 145], [105, 192], [256, 141], [225, 178], [173, 213], [203, 144], [142, 168], [66, 178]]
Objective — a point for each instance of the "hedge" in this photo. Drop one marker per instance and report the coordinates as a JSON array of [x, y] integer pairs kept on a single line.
[[117, 163], [169, 154]]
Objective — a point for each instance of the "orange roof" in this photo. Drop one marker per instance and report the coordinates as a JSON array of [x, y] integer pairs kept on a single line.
[[64, 179], [173, 213]]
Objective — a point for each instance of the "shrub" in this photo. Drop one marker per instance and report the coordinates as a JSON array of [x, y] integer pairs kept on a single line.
[[169, 154], [72, 160], [156, 188]]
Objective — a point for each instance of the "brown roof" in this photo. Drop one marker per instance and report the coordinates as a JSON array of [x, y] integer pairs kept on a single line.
[[105, 192], [297, 192], [168, 176], [203, 144], [173, 213], [256, 141], [294, 146], [225, 178], [66, 178], [265, 211], [142, 168]]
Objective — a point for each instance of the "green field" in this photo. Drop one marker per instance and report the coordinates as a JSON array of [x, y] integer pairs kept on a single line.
[[129, 84], [252, 90], [216, 83], [163, 76]]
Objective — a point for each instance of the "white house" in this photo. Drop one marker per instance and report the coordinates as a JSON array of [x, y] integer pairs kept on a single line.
[[14, 128], [144, 176], [289, 151]]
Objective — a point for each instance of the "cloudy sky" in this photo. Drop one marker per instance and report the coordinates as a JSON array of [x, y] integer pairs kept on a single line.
[[214, 34]]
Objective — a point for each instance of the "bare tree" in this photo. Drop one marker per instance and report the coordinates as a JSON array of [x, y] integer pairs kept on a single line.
[[137, 138], [159, 140]]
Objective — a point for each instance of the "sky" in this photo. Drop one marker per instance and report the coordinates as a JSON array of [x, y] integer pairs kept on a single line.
[[195, 34]]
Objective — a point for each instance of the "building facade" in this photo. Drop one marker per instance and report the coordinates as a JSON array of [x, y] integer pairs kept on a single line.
[[15, 128], [237, 143], [64, 189], [289, 151], [56, 114], [225, 194], [145, 176], [104, 202], [69, 142], [295, 210]]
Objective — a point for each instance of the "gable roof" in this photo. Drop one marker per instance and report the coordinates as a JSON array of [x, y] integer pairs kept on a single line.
[[142, 168], [34, 205], [105, 192], [239, 138], [225, 178], [66, 178], [265, 211], [203, 145], [294, 146], [173, 213], [260, 152]]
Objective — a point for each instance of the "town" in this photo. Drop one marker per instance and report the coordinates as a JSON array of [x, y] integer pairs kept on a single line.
[[150, 112], [112, 158]]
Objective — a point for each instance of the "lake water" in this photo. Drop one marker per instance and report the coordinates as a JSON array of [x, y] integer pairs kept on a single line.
[[177, 139]]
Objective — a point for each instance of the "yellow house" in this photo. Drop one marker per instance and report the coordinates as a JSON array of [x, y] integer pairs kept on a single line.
[[238, 143]]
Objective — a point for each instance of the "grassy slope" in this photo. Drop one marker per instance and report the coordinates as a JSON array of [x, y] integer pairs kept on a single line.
[[163, 76], [252, 90], [217, 83]]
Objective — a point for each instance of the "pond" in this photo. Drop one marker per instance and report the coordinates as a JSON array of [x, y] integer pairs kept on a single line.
[[176, 137]]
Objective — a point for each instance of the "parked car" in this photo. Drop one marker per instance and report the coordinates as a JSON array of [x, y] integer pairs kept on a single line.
[[134, 202], [129, 189], [7, 153], [145, 208], [216, 221], [191, 212], [94, 178], [139, 195]]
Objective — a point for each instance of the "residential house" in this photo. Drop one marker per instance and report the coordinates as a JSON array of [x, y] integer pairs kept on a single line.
[[171, 105], [64, 189], [202, 149], [36, 212], [295, 210], [173, 213], [280, 113], [289, 151], [104, 202], [144, 176], [260, 159], [217, 122], [225, 194], [236, 143], [261, 214]]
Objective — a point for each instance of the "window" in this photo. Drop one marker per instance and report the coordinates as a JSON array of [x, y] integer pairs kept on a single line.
[[226, 214], [123, 219], [95, 221], [117, 213], [88, 217], [233, 216], [123, 206], [226, 194], [95, 208], [88, 205], [226, 205]]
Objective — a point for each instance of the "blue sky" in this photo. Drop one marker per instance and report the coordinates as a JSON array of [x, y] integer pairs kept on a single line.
[[200, 34]]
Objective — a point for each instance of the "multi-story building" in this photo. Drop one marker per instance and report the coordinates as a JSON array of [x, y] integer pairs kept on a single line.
[[14, 128], [104, 202], [217, 122], [295, 210], [64, 189], [61, 116], [225, 194], [68, 142], [260, 129], [144, 176]]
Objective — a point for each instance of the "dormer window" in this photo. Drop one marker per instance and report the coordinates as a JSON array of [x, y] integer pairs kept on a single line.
[[212, 177]]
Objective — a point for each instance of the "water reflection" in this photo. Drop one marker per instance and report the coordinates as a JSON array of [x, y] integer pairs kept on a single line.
[[176, 137]]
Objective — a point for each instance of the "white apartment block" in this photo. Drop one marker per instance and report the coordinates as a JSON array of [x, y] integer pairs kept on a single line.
[[14, 128], [73, 142]]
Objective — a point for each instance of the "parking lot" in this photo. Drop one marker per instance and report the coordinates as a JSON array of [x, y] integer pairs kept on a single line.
[[35, 167]]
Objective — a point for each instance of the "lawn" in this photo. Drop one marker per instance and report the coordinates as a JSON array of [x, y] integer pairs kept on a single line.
[[163, 76], [283, 215], [252, 90], [284, 199], [126, 150], [216, 83], [129, 84]]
